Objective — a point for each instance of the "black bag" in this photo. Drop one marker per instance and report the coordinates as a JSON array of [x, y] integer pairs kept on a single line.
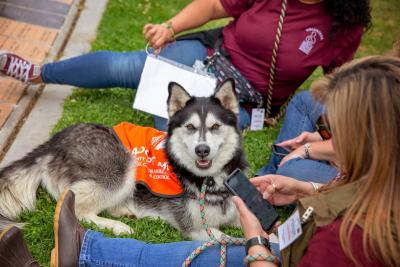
[[219, 64], [223, 69]]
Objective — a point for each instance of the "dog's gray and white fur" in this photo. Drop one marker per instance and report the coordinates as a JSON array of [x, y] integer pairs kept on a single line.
[[203, 141]]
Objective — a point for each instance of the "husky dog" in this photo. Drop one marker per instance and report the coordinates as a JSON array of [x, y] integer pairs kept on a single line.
[[203, 141]]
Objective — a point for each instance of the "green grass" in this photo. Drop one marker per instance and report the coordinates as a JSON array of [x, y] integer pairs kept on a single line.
[[121, 30]]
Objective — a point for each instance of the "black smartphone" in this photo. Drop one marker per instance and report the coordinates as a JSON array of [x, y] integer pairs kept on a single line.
[[239, 185], [280, 150]]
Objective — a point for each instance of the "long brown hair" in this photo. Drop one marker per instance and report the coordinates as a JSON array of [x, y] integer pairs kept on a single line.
[[362, 100]]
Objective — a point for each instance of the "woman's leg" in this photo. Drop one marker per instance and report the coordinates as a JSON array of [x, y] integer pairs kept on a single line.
[[301, 115], [98, 250], [308, 170], [244, 118], [106, 69]]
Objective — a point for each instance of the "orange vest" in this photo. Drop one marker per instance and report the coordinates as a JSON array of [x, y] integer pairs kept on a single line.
[[153, 169]]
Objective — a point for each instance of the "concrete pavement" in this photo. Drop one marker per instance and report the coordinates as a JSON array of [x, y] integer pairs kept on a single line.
[[49, 107]]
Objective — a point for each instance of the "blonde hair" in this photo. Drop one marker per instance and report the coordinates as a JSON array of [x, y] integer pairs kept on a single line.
[[362, 100]]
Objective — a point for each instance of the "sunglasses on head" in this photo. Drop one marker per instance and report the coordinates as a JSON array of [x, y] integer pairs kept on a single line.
[[323, 127]]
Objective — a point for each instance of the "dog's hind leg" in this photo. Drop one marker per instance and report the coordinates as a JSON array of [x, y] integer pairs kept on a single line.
[[91, 199]]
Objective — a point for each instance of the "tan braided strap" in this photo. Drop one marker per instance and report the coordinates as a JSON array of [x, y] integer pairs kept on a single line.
[[275, 49], [223, 242], [260, 257], [274, 120]]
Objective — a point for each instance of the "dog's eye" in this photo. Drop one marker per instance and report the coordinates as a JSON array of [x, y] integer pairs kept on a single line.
[[215, 127], [190, 127]]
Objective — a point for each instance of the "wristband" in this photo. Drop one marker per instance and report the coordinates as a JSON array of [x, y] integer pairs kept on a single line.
[[261, 257], [258, 240], [314, 185], [307, 149], [169, 26]]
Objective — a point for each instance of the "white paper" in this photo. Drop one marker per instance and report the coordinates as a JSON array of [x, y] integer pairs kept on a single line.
[[289, 231], [257, 119], [158, 72]]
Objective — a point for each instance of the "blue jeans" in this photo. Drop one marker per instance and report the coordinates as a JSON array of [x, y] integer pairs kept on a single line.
[[106, 69], [301, 115], [98, 250]]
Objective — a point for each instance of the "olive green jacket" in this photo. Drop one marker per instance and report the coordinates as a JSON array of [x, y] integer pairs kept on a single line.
[[327, 206]]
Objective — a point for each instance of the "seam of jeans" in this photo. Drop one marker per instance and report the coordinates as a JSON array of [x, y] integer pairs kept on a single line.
[[301, 108], [43, 71], [145, 247], [110, 264], [83, 256]]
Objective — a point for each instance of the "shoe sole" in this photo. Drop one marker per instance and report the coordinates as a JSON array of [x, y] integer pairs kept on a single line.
[[54, 252]]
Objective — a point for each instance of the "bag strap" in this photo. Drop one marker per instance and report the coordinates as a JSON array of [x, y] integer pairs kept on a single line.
[[218, 43], [268, 120]]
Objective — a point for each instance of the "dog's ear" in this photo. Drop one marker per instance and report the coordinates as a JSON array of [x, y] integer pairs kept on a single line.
[[226, 93], [177, 98]]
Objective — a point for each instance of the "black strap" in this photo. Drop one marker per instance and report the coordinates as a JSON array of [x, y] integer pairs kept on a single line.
[[258, 240], [209, 38]]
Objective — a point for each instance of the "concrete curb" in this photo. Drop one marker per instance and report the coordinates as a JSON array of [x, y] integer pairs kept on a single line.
[[22, 109], [48, 108]]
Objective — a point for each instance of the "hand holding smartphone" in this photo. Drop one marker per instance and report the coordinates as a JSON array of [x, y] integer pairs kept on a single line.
[[239, 185], [280, 150]]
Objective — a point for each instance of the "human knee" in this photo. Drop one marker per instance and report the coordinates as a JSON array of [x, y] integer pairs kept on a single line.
[[291, 168], [304, 103], [302, 99], [127, 68]]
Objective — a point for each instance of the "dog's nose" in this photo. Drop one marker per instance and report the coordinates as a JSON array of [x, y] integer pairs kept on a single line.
[[202, 150]]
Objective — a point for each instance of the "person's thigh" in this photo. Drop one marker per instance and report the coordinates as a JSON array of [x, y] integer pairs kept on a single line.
[[98, 250], [308, 170], [208, 257], [105, 69], [301, 115], [127, 68], [185, 52]]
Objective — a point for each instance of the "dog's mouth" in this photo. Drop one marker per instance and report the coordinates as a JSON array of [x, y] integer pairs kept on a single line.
[[203, 163]]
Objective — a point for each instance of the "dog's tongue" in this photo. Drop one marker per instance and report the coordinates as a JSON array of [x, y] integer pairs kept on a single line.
[[203, 164]]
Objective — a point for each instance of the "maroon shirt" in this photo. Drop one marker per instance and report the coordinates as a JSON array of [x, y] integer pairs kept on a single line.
[[324, 249], [305, 43]]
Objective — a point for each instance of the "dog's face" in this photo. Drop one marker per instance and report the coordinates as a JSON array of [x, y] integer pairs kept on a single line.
[[203, 132]]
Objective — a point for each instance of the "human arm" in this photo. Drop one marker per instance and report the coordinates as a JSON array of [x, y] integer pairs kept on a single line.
[[282, 190], [195, 14], [252, 228], [304, 137], [323, 249], [321, 150]]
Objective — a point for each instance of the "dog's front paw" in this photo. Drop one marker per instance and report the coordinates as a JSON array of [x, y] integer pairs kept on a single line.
[[120, 228], [202, 234]]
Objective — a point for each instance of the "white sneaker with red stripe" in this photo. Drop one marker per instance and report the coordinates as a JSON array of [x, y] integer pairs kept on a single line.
[[14, 66]]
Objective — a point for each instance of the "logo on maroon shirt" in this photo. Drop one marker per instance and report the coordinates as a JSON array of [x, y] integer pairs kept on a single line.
[[308, 43]]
